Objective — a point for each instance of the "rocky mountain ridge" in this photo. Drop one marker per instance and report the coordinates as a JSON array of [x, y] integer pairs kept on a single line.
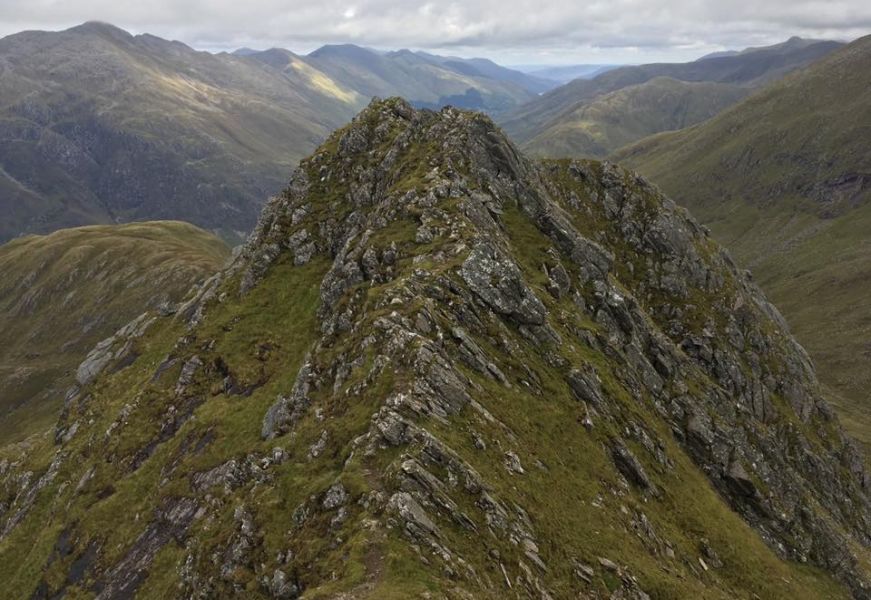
[[784, 181], [439, 369]]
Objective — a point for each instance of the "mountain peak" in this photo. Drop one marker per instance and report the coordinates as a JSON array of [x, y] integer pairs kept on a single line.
[[439, 365], [449, 137], [404, 52], [793, 44], [341, 50], [101, 28], [450, 227], [276, 57]]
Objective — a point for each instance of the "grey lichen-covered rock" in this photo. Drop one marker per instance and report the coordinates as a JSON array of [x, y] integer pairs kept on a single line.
[[413, 516], [512, 463], [334, 497], [495, 278], [188, 371], [115, 349], [631, 467], [289, 409], [493, 367], [586, 386], [281, 587]]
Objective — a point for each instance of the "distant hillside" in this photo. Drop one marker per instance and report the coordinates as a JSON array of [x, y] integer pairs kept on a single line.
[[98, 126], [553, 119], [631, 113], [426, 79], [62, 293], [479, 67], [420, 77], [720, 54], [784, 180]]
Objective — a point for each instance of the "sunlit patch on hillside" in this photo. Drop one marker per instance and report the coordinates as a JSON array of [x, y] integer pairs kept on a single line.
[[196, 92], [324, 84]]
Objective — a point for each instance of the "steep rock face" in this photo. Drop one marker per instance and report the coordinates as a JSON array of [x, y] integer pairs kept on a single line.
[[439, 369], [789, 194]]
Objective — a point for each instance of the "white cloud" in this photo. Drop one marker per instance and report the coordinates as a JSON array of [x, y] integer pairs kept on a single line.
[[509, 30]]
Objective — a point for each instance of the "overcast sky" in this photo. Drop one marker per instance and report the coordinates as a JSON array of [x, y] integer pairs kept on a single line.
[[509, 31]]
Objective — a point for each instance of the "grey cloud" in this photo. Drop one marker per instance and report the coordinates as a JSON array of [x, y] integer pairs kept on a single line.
[[562, 31]]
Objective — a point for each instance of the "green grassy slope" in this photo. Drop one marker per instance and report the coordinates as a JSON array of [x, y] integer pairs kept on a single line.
[[556, 110], [62, 293], [784, 181], [631, 113]]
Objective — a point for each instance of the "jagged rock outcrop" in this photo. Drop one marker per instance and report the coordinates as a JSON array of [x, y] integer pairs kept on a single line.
[[469, 375], [114, 348]]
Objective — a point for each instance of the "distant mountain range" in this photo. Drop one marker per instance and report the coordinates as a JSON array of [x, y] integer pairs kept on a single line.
[[587, 118], [628, 114], [99, 126], [784, 180], [419, 77]]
